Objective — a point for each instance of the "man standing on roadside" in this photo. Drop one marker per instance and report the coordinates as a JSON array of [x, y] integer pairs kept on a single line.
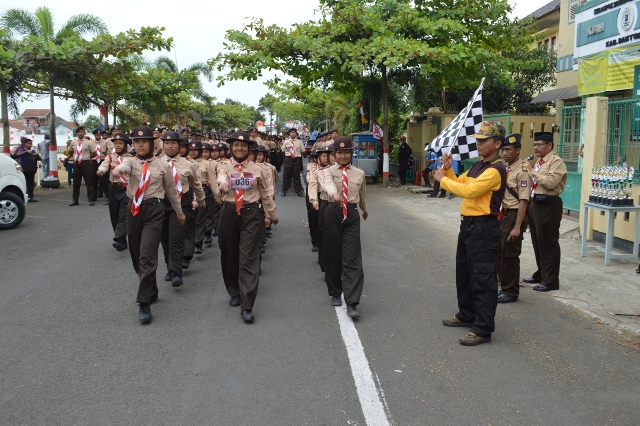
[[83, 150], [43, 150], [482, 189], [293, 149], [404, 153]]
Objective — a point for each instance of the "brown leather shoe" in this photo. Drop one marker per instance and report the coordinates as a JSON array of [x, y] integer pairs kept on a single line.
[[455, 322], [472, 339]]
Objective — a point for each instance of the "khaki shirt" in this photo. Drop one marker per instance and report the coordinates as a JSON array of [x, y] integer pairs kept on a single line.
[[552, 176], [188, 175], [293, 144], [519, 181], [158, 146], [208, 175], [316, 184], [270, 145], [106, 147], [258, 193], [88, 149], [332, 178], [160, 180], [111, 162]]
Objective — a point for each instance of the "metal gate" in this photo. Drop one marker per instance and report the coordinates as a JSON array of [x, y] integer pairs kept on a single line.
[[571, 129]]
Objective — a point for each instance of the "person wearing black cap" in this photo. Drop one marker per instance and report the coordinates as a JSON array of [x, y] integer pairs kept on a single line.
[[104, 146], [158, 143], [195, 151], [312, 214], [117, 193], [482, 188], [319, 198], [404, 153], [512, 223], [549, 179], [205, 218], [184, 147], [175, 236], [346, 188], [84, 154], [150, 179], [293, 149], [245, 197]]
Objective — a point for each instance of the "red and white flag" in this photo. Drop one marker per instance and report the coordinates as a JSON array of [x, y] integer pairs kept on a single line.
[[377, 131]]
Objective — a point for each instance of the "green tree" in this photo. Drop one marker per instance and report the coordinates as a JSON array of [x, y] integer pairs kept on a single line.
[[91, 122], [41, 24]]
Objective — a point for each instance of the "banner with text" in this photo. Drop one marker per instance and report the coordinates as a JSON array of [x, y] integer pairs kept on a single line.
[[607, 71]]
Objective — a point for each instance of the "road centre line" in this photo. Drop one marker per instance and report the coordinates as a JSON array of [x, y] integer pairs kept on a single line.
[[368, 394]]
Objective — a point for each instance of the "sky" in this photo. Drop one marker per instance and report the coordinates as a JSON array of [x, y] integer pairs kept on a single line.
[[198, 28]]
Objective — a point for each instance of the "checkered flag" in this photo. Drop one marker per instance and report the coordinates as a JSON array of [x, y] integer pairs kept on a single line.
[[456, 137]]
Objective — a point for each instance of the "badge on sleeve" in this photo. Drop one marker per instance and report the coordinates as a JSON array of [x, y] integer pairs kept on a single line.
[[524, 183]]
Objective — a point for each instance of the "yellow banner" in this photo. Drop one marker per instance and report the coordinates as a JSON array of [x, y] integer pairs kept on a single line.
[[608, 70]]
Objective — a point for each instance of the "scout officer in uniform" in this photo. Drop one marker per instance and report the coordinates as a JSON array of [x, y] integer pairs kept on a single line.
[[118, 200], [104, 146], [205, 218], [293, 149], [84, 154], [512, 223], [258, 152], [245, 197], [157, 133], [346, 187], [319, 198], [150, 179], [194, 153], [189, 189], [312, 214], [549, 178], [482, 189]]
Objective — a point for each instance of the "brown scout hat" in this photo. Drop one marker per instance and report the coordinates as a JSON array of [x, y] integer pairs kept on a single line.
[[342, 142], [122, 137], [142, 132], [241, 136], [172, 136], [196, 145]]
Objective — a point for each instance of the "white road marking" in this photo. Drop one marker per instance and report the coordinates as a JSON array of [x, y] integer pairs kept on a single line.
[[368, 394]]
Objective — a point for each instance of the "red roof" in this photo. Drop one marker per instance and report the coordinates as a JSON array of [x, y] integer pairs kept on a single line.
[[35, 113], [16, 124]]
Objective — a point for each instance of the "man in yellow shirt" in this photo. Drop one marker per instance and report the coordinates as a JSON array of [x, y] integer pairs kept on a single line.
[[482, 188]]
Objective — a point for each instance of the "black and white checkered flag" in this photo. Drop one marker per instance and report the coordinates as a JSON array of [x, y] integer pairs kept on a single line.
[[456, 137]]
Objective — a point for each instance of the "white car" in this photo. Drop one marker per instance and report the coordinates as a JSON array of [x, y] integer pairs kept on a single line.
[[13, 193]]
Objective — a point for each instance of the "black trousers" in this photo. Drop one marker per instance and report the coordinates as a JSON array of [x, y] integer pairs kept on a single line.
[[403, 166], [508, 255], [239, 252], [292, 168], [118, 201], [31, 183], [321, 249], [537, 276], [86, 171], [144, 231], [189, 226], [203, 216], [172, 239], [343, 255], [547, 218], [476, 278], [312, 219]]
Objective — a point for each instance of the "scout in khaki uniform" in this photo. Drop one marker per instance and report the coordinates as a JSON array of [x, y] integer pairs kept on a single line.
[[512, 223], [293, 149], [189, 189], [312, 214], [118, 200], [194, 153], [549, 178], [103, 148], [319, 198], [245, 196], [158, 144], [345, 185], [205, 218], [150, 179], [83, 150], [257, 154]]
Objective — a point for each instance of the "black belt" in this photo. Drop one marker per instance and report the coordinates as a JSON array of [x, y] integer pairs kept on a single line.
[[324, 202], [120, 184], [244, 205], [349, 205], [487, 218], [545, 196], [150, 201], [511, 210]]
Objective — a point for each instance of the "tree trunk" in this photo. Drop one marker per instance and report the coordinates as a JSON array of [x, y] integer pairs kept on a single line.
[[53, 146], [385, 125], [6, 144]]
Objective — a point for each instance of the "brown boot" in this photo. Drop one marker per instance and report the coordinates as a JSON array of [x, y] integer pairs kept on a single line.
[[472, 339], [455, 322]]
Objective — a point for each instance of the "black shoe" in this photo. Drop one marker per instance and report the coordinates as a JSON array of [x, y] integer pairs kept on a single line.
[[33, 200], [198, 249], [503, 298], [185, 264], [433, 194], [530, 281], [144, 313], [442, 195], [262, 251], [234, 301], [100, 194], [268, 232], [247, 316], [119, 246], [208, 240], [352, 312], [314, 248], [336, 301], [543, 288], [215, 232], [301, 194], [176, 281], [106, 203], [91, 203], [75, 203], [283, 193], [167, 276], [153, 299]]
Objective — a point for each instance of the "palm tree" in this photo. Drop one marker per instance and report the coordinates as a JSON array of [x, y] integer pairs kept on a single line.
[[21, 22]]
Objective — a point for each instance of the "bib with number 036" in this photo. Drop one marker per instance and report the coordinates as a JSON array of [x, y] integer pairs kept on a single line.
[[241, 180]]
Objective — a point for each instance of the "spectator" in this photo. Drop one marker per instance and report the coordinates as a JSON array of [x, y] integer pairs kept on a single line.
[[404, 153], [43, 150], [430, 160], [68, 162], [28, 158]]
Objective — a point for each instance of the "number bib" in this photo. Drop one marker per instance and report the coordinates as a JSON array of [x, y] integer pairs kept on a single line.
[[241, 180]]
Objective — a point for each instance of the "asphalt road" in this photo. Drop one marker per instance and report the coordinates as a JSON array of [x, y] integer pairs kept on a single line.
[[73, 352]]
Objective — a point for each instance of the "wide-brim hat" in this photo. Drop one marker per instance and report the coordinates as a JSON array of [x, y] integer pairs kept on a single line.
[[241, 136], [196, 145], [342, 142], [171, 136], [142, 132], [184, 141], [489, 129], [121, 137], [207, 146]]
